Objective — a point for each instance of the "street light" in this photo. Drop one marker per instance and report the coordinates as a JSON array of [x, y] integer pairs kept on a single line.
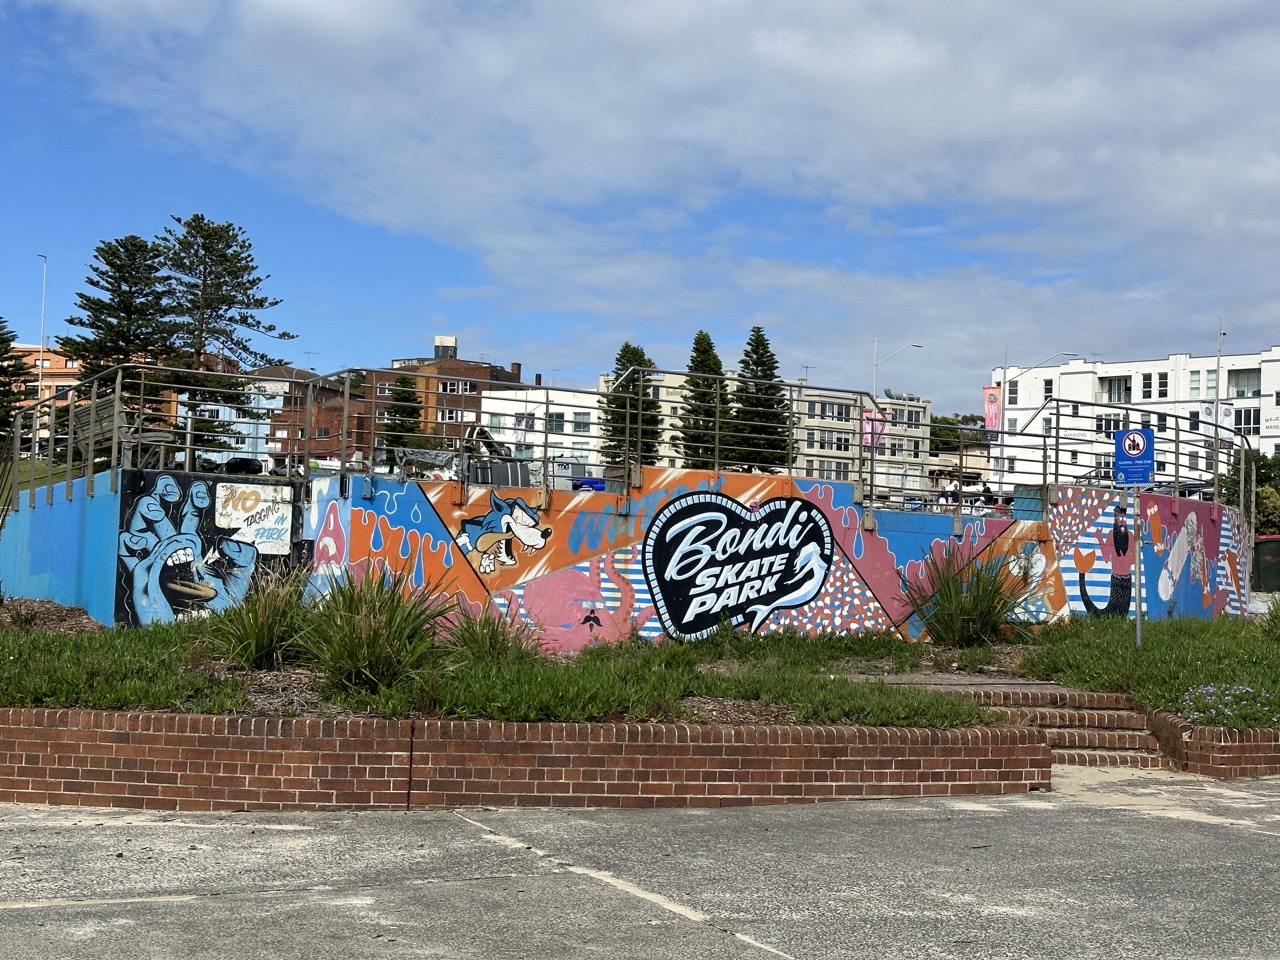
[[44, 278], [1217, 408], [876, 361]]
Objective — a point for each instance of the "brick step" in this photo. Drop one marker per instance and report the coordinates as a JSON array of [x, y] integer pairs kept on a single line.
[[1112, 758], [1064, 717], [1075, 699], [1094, 739]]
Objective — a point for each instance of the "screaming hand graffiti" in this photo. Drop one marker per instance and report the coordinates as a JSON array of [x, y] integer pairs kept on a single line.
[[707, 557]]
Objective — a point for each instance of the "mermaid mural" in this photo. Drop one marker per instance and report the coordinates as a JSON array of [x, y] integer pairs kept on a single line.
[[1115, 550]]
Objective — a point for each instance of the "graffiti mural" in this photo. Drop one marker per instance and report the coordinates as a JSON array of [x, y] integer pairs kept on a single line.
[[175, 558], [493, 537], [674, 554], [708, 558]]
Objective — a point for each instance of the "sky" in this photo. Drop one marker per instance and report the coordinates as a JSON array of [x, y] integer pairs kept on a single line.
[[546, 179]]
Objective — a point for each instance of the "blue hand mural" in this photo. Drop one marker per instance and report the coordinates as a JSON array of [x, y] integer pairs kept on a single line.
[[167, 570]]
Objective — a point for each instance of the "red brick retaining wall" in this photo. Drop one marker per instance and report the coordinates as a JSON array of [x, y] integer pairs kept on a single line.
[[185, 762], [1216, 751]]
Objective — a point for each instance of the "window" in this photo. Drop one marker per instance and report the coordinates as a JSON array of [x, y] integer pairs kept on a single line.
[[443, 415], [72, 364], [1116, 389], [1244, 383], [1195, 384], [1012, 425], [322, 433], [1193, 461], [840, 412], [44, 362], [1249, 421], [675, 411], [384, 389], [582, 421], [1011, 464], [1162, 422], [840, 440], [495, 421], [1046, 425], [382, 416], [457, 386], [1075, 409], [1013, 394], [1162, 386], [1048, 388], [1146, 421], [1106, 425], [1146, 386], [915, 450], [555, 423], [914, 418], [1075, 456], [1211, 383]]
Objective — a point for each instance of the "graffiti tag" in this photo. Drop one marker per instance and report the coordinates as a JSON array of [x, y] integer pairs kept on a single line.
[[707, 557]]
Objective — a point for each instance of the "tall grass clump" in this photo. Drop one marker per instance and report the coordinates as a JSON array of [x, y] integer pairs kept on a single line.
[[491, 636], [963, 601], [374, 632], [263, 631]]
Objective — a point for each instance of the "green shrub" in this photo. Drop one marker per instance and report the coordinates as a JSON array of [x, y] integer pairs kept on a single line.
[[147, 668], [490, 636], [263, 631], [964, 601], [374, 631], [829, 699]]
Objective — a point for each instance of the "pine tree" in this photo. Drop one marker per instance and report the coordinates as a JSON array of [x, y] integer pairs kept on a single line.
[[761, 412], [630, 415], [214, 292], [15, 374], [704, 414], [130, 322], [404, 414]]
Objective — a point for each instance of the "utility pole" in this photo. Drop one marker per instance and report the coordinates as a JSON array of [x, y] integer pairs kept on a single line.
[[44, 282], [1217, 407]]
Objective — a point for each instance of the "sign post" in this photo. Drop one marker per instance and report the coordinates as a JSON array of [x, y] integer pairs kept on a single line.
[[1136, 467]]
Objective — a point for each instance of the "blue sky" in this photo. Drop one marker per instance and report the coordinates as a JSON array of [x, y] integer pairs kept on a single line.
[[545, 180]]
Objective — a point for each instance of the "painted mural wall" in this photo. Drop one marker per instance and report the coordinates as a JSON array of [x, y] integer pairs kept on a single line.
[[191, 543], [684, 551]]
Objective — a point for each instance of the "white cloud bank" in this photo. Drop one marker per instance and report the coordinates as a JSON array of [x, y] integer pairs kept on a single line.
[[1096, 177]]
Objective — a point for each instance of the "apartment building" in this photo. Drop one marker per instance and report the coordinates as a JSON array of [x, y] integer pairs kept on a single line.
[[1066, 415]]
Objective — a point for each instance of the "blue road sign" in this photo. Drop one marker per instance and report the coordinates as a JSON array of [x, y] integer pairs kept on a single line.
[[1135, 457]]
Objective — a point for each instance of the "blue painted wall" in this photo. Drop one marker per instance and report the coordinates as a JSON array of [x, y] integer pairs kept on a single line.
[[64, 551]]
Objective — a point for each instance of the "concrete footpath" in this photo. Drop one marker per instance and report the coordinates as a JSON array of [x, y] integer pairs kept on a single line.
[[1110, 864]]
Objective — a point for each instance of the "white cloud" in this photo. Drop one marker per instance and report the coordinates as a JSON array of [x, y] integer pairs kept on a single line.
[[584, 150]]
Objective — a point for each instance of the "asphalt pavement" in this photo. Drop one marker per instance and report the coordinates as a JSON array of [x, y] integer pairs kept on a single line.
[[1109, 864]]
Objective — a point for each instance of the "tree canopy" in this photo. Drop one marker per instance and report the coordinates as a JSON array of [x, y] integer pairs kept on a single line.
[[761, 411], [15, 374], [214, 292], [630, 415], [705, 412], [130, 322]]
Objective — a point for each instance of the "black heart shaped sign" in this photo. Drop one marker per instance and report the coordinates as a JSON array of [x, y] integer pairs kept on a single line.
[[707, 557]]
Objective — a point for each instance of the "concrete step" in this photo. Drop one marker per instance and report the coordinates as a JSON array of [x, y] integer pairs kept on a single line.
[[1136, 759]]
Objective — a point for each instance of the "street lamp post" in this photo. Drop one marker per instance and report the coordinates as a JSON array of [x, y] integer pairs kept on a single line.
[[1217, 408], [876, 361], [44, 279]]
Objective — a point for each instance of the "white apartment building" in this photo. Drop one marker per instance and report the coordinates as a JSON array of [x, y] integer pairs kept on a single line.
[[1060, 421]]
